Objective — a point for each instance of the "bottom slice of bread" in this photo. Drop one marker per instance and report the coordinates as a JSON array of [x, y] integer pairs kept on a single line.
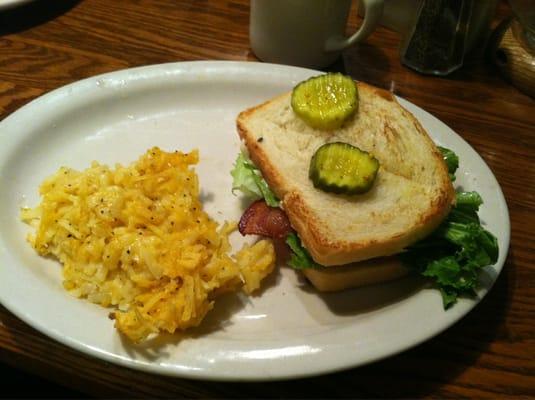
[[363, 273]]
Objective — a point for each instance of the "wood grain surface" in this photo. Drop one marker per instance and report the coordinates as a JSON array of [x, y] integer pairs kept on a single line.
[[488, 354]]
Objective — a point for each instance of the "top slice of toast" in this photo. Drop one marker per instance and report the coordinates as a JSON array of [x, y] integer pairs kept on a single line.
[[412, 193]]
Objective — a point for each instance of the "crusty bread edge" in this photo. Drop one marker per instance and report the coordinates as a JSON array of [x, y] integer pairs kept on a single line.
[[321, 248], [256, 152], [369, 272]]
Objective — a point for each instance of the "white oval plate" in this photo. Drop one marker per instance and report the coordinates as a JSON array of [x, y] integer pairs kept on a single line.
[[289, 330]]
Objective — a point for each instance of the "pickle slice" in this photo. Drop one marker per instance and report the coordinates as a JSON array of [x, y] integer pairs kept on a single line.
[[342, 168], [325, 101]]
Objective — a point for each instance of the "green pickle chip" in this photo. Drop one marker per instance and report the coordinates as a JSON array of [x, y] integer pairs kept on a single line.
[[342, 168], [326, 101]]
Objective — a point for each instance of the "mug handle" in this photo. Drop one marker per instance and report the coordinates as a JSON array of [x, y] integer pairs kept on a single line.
[[373, 11]]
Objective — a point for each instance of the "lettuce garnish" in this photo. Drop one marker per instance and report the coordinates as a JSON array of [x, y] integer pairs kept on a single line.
[[451, 159], [454, 254], [300, 257], [248, 179]]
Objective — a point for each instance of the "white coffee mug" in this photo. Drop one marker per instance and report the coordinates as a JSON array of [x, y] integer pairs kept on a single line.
[[308, 33]]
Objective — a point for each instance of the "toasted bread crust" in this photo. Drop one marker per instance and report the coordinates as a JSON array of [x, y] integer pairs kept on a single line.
[[257, 153], [349, 276], [325, 246]]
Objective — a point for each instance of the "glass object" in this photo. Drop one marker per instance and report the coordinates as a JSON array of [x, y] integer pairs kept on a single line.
[[436, 42]]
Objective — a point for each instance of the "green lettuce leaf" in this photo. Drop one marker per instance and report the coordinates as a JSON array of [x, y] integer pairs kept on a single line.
[[470, 200], [243, 177], [300, 258], [454, 254], [451, 159], [267, 194], [248, 179]]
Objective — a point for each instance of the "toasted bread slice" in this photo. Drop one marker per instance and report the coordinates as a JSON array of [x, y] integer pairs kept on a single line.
[[368, 272], [412, 193]]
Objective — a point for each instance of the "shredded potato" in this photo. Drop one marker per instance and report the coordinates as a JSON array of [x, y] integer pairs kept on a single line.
[[138, 239]]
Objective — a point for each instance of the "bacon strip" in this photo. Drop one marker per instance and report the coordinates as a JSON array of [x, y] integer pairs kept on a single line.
[[261, 219]]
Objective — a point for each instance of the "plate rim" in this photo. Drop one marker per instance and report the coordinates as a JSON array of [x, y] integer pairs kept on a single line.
[[8, 4]]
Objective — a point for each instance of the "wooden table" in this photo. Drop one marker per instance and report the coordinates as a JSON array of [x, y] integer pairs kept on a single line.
[[490, 353]]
